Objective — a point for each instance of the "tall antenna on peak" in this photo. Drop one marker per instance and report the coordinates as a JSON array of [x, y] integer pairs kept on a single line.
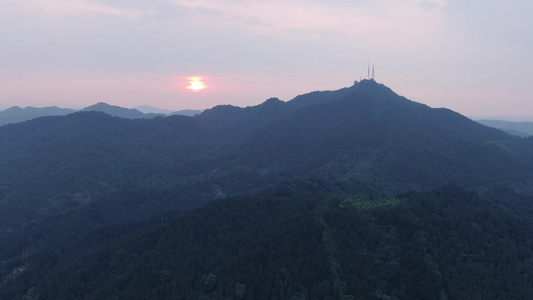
[[368, 70], [372, 72]]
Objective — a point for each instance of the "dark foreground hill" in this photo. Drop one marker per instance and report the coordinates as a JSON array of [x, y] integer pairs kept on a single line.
[[61, 177], [364, 138], [298, 242]]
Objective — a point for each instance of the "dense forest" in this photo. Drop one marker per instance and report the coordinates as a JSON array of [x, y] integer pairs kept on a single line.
[[299, 241], [357, 193]]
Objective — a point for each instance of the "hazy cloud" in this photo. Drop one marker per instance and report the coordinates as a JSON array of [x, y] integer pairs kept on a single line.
[[74, 7], [440, 52]]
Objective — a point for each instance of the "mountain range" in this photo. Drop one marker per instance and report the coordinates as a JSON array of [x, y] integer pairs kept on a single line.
[[522, 129], [283, 178], [16, 114]]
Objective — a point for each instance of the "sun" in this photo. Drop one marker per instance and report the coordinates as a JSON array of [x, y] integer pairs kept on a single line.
[[196, 84]]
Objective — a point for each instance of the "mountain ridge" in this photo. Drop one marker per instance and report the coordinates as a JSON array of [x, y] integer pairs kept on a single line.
[[522, 129], [117, 111], [305, 138], [17, 114]]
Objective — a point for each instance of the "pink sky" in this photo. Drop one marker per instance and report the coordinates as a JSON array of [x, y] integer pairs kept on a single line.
[[443, 53]]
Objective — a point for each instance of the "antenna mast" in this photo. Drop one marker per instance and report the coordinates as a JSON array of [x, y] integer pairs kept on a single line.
[[372, 72]]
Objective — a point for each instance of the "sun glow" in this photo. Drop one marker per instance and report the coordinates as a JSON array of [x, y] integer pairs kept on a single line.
[[196, 84]]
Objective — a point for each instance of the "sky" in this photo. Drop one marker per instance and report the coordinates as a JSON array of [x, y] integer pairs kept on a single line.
[[474, 57]]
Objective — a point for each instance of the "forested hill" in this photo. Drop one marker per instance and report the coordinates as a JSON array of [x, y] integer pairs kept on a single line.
[[297, 242], [359, 139], [362, 138]]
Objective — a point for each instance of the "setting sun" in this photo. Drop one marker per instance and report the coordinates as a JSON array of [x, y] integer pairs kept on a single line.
[[196, 84]]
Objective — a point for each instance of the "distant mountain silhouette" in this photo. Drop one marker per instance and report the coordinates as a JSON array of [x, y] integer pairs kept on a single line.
[[16, 114], [523, 129], [187, 112], [117, 111], [146, 109], [154, 110], [503, 118]]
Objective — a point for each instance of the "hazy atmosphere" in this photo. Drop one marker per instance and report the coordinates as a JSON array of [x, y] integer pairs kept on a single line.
[[470, 56], [266, 149]]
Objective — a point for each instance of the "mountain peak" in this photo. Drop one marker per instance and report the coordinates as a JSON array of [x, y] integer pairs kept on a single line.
[[373, 87], [101, 105], [116, 111], [272, 100], [360, 90], [14, 108]]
